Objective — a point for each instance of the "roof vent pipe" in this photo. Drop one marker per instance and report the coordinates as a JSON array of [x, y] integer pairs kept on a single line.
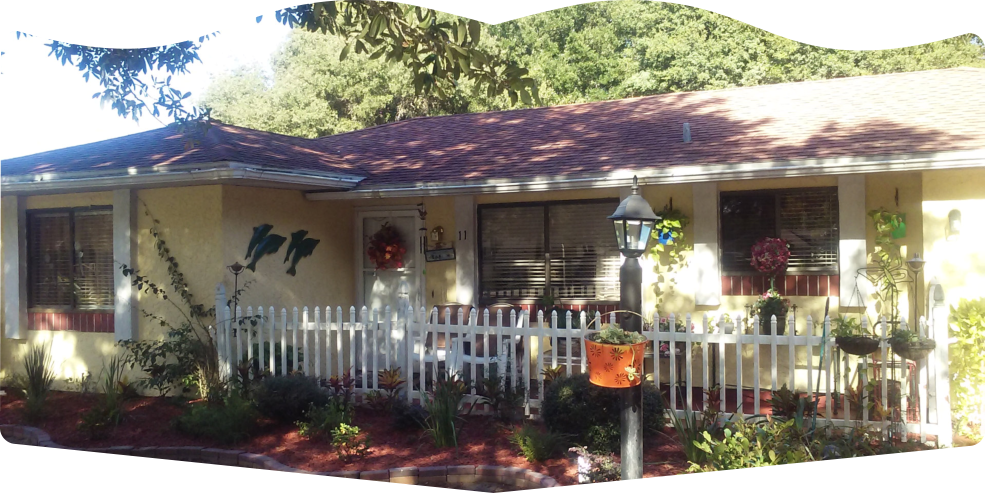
[[687, 132]]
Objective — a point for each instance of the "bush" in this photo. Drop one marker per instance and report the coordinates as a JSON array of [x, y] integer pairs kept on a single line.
[[574, 406], [538, 445], [408, 416], [967, 364], [347, 444], [37, 382], [322, 421], [230, 421], [286, 398], [108, 410], [442, 406]]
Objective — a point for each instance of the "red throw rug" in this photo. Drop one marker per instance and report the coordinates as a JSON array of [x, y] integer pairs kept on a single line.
[[483, 440]]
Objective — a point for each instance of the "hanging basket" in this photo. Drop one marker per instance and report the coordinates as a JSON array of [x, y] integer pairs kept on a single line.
[[915, 350], [858, 345], [607, 363]]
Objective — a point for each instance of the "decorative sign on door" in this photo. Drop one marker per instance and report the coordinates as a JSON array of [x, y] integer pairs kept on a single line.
[[439, 255]]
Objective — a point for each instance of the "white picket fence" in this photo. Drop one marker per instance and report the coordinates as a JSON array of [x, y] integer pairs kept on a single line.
[[326, 342]]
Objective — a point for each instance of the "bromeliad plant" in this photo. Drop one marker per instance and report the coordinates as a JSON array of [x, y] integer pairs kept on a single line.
[[37, 382], [443, 406]]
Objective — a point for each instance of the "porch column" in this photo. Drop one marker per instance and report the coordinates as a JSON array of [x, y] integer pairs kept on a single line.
[[939, 407], [125, 252], [708, 291], [14, 239], [465, 248], [851, 242]]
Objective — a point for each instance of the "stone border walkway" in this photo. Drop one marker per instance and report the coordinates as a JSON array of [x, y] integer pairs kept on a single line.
[[450, 476]]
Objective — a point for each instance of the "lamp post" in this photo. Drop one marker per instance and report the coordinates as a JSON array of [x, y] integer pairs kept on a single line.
[[236, 269], [633, 221], [916, 265]]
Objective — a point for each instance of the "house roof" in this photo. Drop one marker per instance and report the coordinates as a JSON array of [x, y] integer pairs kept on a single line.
[[884, 115], [938, 110]]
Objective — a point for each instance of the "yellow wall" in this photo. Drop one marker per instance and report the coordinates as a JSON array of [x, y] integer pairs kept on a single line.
[[959, 265]]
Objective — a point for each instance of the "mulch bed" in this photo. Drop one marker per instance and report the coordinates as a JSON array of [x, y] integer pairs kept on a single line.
[[482, 441]]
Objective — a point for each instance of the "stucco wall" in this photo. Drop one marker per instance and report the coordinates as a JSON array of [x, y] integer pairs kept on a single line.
[[959, 265]]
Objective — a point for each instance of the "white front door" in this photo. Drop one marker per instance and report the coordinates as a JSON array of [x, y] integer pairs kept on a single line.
[[393, 287]]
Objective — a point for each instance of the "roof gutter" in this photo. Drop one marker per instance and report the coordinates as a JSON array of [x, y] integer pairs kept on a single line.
[[225, 172], [675, 174]]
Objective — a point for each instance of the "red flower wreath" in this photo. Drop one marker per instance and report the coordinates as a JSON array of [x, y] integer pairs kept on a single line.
[[770, 256], [386, 248]]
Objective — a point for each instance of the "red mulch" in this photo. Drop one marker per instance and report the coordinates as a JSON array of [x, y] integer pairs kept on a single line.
[[483, 441]]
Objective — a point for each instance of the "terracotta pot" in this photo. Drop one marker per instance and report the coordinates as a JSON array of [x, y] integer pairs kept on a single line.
[[607, 363]]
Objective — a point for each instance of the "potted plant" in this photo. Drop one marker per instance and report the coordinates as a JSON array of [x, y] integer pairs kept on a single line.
[[664, 326], [615, 357], [770, 256], [852, 338], [910, 345], [771, 303]]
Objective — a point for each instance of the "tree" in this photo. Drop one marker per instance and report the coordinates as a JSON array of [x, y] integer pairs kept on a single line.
[[438, 50]]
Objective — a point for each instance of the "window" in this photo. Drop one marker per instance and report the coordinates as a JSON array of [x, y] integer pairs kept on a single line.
[[566, 249], [806, 218], [70, 259]]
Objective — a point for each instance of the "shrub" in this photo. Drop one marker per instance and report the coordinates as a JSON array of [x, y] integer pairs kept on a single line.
[[749, 445], [442, 406], [408, 416], [286, 398], [266, 358], [538, 445], [506, 400], [230, 421], [589, 413], [322, 421], [967, 364], [347, 444], [37, 382], [108, 410]]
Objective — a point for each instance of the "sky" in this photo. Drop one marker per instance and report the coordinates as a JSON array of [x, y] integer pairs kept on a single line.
[[53, 105]]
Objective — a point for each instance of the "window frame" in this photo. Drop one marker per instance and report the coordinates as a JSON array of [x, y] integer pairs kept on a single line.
[[777, 227], [546, 204], [74, 308]]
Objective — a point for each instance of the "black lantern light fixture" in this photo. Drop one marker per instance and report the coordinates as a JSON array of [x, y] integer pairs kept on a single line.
[[236, 269], [633, 221]]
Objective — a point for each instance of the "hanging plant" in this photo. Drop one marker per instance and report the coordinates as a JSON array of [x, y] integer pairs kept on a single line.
[[669, 233], [386, 248], [770, 256]]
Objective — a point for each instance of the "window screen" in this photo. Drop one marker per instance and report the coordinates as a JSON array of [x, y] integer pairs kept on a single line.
[[70, 259]]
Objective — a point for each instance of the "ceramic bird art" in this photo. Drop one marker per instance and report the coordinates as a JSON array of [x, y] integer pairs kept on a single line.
[[259, 233], [302, 250], [296, 238], [268, 245]]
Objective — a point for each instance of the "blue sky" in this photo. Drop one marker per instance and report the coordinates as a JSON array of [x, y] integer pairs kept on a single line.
[[54, 106]]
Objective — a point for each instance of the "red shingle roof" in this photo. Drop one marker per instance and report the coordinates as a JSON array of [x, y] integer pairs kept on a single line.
[[165, 147], [937, 110]]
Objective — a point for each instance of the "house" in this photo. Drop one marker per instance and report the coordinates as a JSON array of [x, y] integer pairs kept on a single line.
[[521, 198]]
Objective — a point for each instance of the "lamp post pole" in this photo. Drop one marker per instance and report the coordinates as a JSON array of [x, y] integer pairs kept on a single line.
[[631, 412], [634, 221]]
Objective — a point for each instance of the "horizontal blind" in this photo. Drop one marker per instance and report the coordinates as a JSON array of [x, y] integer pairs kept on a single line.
[[809, 223], [584, 255], [512, 252], [49, 259], [745, 219], [94, 259]]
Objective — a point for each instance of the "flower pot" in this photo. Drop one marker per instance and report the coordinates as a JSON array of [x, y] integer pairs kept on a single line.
[[607, 363], [857, 345], [765, 327], [913, 351]]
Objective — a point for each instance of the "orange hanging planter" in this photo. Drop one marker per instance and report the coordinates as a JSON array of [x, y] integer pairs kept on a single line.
[[615, 366]]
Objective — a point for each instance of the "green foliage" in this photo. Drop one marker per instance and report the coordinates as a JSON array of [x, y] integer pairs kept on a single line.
[[613, 334], [787, 404], [107, 412], [443, 406], [967, 366], [848, 327], [506, 400], [320, 422], [230, 421], [602, 468], [538, 445], [590, 414], [408, 416], [672, 223], [748, 445], [347, 444], [286, 398], [887, 255], [38, 377], [277, 365]]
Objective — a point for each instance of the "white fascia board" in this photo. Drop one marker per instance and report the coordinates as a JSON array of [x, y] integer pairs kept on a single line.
[[676, 174], [225, 172]]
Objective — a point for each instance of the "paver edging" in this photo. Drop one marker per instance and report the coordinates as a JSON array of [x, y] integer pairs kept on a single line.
[[434, 475]]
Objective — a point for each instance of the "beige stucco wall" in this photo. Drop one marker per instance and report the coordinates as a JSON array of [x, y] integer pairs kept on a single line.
[[958, 265]]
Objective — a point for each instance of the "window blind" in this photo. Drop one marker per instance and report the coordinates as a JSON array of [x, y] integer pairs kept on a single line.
[[806, 218], [574, 239], [70, 259]]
